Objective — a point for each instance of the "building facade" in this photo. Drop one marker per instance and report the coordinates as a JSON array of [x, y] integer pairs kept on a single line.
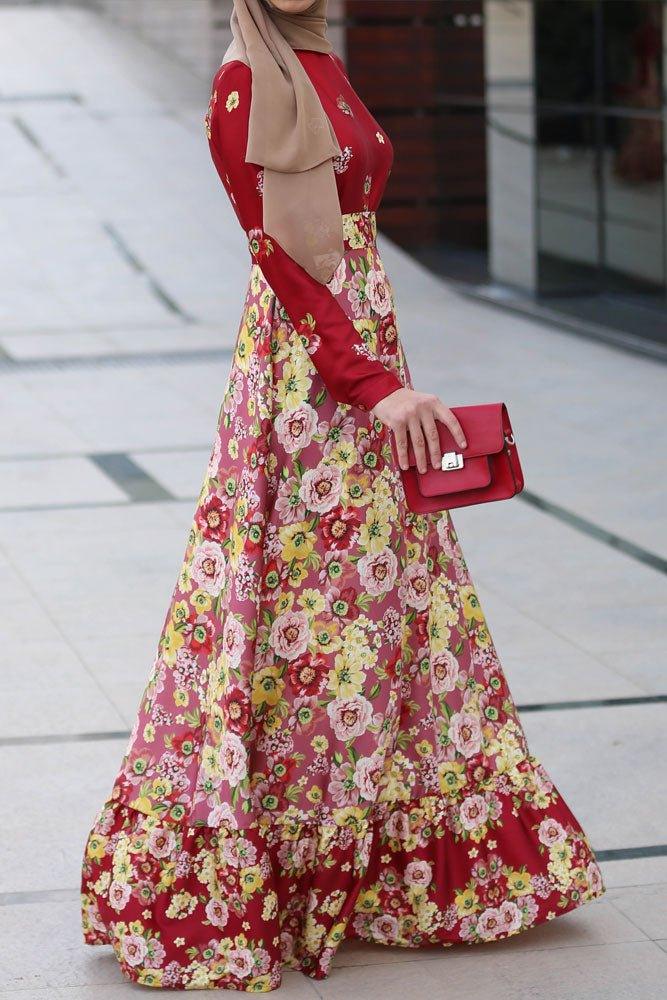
[[529, 134]]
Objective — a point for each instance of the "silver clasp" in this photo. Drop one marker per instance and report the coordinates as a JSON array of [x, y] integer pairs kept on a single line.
[[451, 460]]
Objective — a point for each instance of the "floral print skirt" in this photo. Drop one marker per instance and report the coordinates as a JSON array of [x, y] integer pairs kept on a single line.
[[327, 747]]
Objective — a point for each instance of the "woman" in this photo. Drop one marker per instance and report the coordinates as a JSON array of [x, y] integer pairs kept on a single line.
[[327, 747]]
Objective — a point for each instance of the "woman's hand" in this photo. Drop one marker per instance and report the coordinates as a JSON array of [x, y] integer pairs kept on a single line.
[[406, 411]]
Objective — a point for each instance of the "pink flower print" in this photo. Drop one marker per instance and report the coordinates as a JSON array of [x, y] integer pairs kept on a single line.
[[444, 671], [474, 812], [321, 488], [335, 285], [551, 832], [377, 572], [418, 874], [378, 293], [133, 948], [289, 504], [233, 758], [119, 893], [414, 588], [350, 717], [384, 929], [295, 428], [510, 916], [208, 567], [342, 786], [356, 294], [466, 733], [161, 843], [368, 775], [217, 912], [489, 925], [289, 634], [239, 961], [233, 640]]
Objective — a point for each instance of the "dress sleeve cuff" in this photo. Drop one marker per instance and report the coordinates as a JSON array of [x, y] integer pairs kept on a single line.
[[376, 388]]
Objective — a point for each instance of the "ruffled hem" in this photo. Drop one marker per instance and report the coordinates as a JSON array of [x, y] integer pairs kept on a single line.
[[202, 908]]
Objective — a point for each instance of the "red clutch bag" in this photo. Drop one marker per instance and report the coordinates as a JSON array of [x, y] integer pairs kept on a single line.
[[487, 469]]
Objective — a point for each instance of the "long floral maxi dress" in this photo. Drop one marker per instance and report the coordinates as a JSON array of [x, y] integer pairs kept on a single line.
[[327, 747]]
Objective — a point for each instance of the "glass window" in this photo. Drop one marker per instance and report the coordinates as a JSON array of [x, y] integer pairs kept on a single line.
[[565, 40], [568, 217], [632, 34], [634, 221]]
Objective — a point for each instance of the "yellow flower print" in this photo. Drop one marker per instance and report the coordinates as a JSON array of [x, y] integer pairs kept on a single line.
[[344, 455], [312, 601], [346, 679], [172, 640], [181, 906], [251, 880], [271, 722], [292, 389], [167, 875], [467, 901], [244, 349], [270, 907], [320, 744], [236, 543], [181, 698], [284, 602], [297, 540], [375, 532], [452, 777], [367, 901], [471, 606], [201, 601], [518, 882], [483, 637], [314, 794], [150, 977], [209, 113], [96, 846], [267, 686], [233, 100]]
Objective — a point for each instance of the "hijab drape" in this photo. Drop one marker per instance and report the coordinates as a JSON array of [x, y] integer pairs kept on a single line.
[[289, 133]]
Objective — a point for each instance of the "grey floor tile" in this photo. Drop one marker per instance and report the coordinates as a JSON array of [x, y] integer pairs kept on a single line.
[[634, 970], [645, 906]]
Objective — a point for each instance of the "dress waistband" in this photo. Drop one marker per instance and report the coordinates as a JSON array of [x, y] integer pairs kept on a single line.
[[359, 230]]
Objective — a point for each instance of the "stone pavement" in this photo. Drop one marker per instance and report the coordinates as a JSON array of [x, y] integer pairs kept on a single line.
[[122, 273]]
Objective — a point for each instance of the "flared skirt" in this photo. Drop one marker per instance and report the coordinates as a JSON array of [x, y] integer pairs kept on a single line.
[[327, 746]]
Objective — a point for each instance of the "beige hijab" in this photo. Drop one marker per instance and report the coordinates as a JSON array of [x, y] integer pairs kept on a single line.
[[290, 134]]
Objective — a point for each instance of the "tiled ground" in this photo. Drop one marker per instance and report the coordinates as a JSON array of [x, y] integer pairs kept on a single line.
[[121, 279]]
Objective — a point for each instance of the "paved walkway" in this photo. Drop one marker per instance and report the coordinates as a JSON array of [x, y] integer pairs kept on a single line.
[[122, 271]]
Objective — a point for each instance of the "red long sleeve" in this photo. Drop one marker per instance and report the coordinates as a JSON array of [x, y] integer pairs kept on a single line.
[[350, 371]]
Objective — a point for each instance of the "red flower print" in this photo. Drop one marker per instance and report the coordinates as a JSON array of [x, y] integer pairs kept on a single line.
[[308, 674], [213, 518], [341, 603], [339, 527], [201, 636], [236, 710], [260, 245]]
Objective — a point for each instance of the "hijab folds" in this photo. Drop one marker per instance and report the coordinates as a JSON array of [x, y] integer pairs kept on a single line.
[[289, 132]]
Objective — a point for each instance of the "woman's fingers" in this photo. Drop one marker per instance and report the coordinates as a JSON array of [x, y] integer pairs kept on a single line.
[[448, 418], [417, 438], [401, 437], [432, 438]]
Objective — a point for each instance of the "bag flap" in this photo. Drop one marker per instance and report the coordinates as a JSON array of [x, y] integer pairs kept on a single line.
[[475, 474], [483, 429]]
